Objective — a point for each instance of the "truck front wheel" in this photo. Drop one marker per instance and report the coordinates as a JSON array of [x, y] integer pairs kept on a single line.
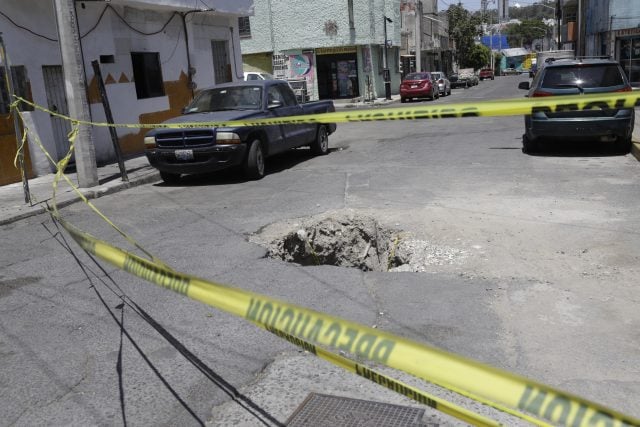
[[254, 163], [321, 144], [170, 178]]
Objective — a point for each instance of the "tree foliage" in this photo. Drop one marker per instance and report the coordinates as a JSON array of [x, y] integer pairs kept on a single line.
[[463, 28], [538, 10], [479, 56], [525, 33]]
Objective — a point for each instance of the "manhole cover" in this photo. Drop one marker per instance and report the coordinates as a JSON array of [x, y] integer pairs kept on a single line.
[[322, 410]]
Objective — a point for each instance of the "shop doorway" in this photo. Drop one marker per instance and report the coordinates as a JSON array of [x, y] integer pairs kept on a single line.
[[629, 54], [338, 76]]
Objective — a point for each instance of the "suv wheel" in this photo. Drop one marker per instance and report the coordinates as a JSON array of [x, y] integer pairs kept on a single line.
[[529, 146], [623, 145]]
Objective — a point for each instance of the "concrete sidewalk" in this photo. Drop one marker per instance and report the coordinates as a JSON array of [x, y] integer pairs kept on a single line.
[[12, 197]]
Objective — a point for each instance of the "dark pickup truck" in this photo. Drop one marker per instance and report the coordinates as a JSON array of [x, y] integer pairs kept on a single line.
[[199, 150]]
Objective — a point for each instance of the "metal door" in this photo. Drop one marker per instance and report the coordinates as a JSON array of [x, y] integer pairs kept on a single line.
[[221, 64], [57, 102]]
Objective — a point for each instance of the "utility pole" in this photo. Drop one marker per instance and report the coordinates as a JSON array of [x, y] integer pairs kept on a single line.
[[418, 35], [74, 77], [385, 72]]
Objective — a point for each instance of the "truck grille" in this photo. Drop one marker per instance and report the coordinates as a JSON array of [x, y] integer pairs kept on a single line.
[[185, 138]]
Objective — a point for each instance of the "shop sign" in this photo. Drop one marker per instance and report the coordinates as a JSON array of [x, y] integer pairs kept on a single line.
[[627, 32], [335, 50]]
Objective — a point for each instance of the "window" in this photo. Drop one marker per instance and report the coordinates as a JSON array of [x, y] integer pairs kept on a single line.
[[147, 74], [20, 87], [244, 26], [595, 76]]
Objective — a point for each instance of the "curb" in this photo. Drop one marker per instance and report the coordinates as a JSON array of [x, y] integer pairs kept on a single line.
[[89, 193], [635, 150]]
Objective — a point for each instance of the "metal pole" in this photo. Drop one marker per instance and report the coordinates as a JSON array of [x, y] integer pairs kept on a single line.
[[69, 39], [16, 121], [580, 23], [109, 116], [418, 35], [558, 17], [385, 71]]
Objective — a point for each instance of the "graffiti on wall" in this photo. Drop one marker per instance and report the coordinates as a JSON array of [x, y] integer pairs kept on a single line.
[[301, 69]]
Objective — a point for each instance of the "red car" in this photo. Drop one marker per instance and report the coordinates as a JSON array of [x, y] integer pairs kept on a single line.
[[486, 73], [419, 85]]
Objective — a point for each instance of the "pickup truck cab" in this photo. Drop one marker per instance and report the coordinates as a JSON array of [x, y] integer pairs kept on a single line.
[[205, 149]]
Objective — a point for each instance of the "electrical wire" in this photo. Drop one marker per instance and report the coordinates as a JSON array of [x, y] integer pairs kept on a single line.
[[26, 29], [164, 26], [246, 403]]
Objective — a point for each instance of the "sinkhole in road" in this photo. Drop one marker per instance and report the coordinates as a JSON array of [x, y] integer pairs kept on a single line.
[[358, 242], [348, 239]]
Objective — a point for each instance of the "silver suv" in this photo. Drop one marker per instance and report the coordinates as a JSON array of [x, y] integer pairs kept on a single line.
[[578, 77]]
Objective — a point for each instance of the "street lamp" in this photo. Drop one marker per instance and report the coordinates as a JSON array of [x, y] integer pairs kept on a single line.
[[385, 72]]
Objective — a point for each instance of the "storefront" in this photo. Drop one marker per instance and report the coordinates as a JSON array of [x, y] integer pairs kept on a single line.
[[337, 69]]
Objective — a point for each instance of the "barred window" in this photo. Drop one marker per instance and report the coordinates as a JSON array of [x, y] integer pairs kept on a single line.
[[244, 26]]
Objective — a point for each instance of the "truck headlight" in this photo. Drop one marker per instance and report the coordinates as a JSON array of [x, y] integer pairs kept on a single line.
[[149, 142], [228, 137]]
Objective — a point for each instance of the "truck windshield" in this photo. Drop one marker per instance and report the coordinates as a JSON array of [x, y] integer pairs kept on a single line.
[[226, 98]]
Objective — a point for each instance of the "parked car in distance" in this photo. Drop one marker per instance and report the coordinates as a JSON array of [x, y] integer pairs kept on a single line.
[[257, 75], [473, 79], [579, 77], [510, 72], [444, 85], [419, 85], [201, 149], [457, 81], [486, 73]]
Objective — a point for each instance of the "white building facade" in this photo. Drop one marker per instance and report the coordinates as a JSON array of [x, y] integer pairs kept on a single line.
[[328, 49], [153, 56]]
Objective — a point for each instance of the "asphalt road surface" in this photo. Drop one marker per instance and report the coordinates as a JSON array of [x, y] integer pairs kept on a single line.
[[531, 264]]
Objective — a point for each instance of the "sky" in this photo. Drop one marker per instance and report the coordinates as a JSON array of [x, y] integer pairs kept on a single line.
[[473, 5], [468, 4]]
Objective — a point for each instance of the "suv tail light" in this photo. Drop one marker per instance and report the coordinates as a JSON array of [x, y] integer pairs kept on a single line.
[[540, 93], [625, 89]]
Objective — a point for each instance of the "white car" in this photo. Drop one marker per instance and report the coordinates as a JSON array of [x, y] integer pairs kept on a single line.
[[444, 85], [257, 75]]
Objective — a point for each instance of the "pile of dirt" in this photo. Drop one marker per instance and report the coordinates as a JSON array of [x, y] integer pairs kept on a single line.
[[351, 240]]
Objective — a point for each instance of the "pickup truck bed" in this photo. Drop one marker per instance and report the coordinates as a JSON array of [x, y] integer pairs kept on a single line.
[[207, 149]]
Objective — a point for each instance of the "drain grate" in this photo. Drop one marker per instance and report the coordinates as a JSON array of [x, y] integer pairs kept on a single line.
[[322, 410]]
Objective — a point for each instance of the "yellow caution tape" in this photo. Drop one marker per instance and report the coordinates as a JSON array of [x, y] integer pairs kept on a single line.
[[60, 167], [470, 378], [511, 107], [390, 383], [480, 382]]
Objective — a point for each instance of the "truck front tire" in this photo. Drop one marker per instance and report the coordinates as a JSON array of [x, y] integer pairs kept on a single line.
[[254, 163], [170, 178]]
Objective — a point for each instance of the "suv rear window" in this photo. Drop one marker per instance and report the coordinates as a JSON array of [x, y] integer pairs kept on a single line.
[[583, 76]]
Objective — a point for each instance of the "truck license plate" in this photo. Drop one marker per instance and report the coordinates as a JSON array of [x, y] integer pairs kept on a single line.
[[184, 154]]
